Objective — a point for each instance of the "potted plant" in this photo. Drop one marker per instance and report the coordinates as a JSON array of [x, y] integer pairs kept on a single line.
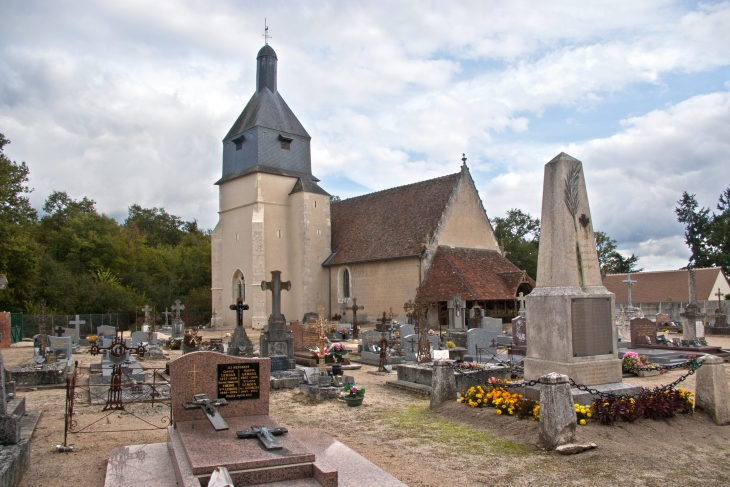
[[353, 395], [344, 332], [634, 363], [337, 350]]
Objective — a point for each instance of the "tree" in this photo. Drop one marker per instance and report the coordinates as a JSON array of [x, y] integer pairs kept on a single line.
[[707, 235], [696, 229], [19, 253], [519, 236], [59, 207], [610, 260], [157, 226]]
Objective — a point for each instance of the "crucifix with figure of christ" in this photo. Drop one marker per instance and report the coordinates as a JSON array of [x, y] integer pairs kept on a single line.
[[202, 401], [355, 308]]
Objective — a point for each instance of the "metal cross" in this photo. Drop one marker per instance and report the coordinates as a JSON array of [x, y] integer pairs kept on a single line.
[[239, 307], [276, 286], [202, 401], [266, 33], [59, 331], [322, 326], [265, 435], [354, 308], [392, 315], [177, 307], [629, 282], [463, 159], [385, 342]]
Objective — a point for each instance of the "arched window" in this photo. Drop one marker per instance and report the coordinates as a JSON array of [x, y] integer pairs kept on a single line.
[[346, 284], [239, 286]]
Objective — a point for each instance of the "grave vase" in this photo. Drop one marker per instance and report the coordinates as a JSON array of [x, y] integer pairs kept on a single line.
[[354, 401]]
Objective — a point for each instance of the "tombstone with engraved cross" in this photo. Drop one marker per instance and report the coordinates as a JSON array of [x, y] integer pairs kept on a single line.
[[457, 309], [275, 343]]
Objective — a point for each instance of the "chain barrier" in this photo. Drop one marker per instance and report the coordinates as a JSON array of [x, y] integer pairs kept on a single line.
[[693, 365]]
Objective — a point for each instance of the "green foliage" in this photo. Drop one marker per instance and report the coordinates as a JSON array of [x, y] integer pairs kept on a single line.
[[707, 234], [610, 260], [79, 260], [334, 198], [519, 235]]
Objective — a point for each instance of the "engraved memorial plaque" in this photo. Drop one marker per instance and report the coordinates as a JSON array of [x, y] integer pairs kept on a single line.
[[238, 381], [592, 327]]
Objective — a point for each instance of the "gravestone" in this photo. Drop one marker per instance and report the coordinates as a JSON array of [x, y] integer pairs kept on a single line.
[[700, 328], [434, 342], [178, 325], [404, 331], [411, 347], [139, 337], [692, 313], [275, 343], [519, 335], [571, 318], [494, 324], [479, 343], [40, 345], [61, 345], [369, 339], [457, 311], [662, 320], [643, 332], [106, 331]]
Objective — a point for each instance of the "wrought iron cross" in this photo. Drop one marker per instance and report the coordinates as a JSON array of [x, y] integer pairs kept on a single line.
[[276, 286], [629, 282], [321, 326], [266, 33], [239, 307], [355, 308]]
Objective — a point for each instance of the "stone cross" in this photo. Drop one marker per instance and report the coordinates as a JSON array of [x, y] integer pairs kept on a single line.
[[355, 308], [239, 307], [146, 310], [456, 304], [167, 314], [521, 300], [208, 406], [719, 303], [177, 307], [265, 435], [276, 286], [629, 283], [59, 331], [77, 322]]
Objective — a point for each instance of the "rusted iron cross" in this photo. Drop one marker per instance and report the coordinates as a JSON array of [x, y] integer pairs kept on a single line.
[[354, 308], [384, 341]]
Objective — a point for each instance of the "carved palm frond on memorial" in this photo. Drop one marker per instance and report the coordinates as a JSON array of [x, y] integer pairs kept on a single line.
[[571, 201]]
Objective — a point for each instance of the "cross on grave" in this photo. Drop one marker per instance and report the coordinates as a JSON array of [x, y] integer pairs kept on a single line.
[[167, 314], [239, 307], [719, 303], [276, 286], [202, 401], [384, 342], [355, 308], [117, 353], [384, 321], [265, 435], [629, 282], [76, 322], [59, 331], [177, 307], [321, 326], [418, 311], [521, 300], [146, 310]]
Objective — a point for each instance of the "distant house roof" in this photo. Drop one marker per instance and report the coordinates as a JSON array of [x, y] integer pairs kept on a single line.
[[389, 224], [653, 287], [475, 274]]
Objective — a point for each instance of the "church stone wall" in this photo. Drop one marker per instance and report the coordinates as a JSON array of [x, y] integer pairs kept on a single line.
[[465, 223], [378, 286]]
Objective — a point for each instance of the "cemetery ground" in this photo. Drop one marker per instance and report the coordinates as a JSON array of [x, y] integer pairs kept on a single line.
[[395, 429]]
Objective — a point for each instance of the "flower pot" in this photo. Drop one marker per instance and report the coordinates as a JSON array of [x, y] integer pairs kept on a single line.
[[354, 401]]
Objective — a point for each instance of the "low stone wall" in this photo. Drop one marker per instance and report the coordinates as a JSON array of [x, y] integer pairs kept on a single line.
[[48, 374], [422, 374], [14, 462]]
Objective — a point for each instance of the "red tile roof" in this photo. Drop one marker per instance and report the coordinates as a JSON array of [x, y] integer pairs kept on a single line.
[[474, 274], [653, 287], [393, 223]]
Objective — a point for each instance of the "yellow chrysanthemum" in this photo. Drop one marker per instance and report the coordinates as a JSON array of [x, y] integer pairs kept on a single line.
[[499, 411], [582, 422]]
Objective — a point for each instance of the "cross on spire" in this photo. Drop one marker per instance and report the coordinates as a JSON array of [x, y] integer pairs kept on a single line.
[[629, 282], [463, 159], [266, 33]]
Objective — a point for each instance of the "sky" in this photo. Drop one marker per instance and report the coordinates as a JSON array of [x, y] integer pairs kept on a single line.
[[128, 101]]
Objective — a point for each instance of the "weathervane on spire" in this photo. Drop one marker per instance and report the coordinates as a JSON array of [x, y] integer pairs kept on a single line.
[[266, 33]]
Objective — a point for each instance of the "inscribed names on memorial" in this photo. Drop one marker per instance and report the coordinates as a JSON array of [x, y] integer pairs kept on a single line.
[[592, 327], [238, 381]]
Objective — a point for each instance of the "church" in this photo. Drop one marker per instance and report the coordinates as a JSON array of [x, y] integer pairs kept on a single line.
[[372, 251]]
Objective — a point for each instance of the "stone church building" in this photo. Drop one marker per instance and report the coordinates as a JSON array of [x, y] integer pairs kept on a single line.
[[376, 248]]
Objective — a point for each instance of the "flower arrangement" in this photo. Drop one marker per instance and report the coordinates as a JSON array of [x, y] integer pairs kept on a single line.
[[343, 331], [317, 352], [450, 344], [92, 338], [633, 362], [654, 404], [431, 332], [467, 366], [351, 390], [582, 413], [336, 348], [503, 401]]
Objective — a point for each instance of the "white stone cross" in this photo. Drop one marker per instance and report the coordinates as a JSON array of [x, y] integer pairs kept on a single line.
[[77, 321], [167, 314], [629, 282], [177, 307], [146, 310], [521, 300]]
